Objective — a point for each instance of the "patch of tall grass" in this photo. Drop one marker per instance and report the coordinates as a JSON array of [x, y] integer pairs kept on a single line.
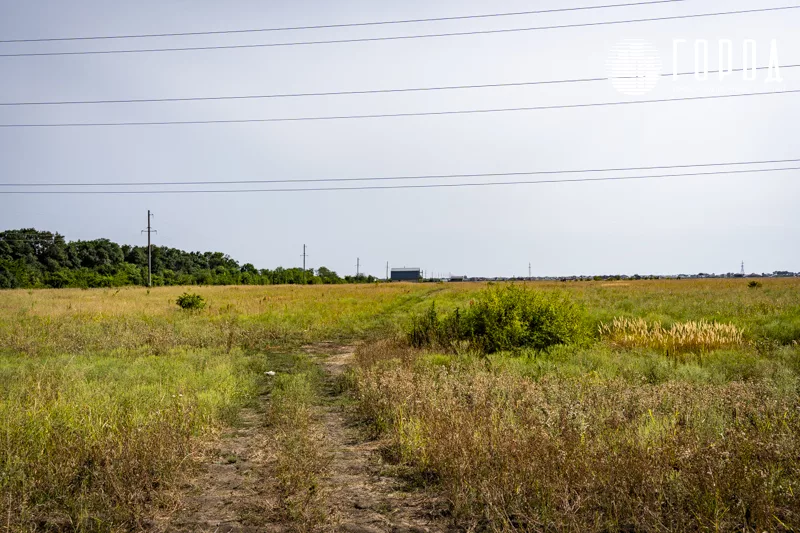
[[89, 442], [587, 451], [680, 338], [299, 450], [50, 322], [770, 313]]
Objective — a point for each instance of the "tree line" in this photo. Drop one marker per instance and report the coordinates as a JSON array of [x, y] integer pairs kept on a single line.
[[40, 259]]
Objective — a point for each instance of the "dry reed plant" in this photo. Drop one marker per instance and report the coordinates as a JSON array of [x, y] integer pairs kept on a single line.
[[681, 337]]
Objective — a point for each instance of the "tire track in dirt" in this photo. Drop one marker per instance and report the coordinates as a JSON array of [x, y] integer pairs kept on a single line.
[[234, 491], [364, 499], [230, 494]]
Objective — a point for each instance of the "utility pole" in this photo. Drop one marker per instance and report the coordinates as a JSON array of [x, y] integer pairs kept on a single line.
[[149, 230], [529, 272], [358, 267], [387, 270], [304, 264]]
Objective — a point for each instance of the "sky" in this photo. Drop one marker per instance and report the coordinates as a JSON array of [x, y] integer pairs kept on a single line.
[[660, 226]]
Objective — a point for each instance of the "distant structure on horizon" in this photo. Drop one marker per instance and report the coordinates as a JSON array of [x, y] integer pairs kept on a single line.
[[406, 274]]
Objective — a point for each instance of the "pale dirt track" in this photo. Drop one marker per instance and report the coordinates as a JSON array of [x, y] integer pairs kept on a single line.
[[233, 491]]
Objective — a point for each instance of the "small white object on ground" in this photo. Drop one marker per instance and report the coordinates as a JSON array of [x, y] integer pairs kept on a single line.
[[270, 373]]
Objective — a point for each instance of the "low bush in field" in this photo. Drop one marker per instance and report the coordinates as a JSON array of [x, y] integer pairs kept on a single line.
[[682, 337], [585, 453], [191, 302], [504, 318]]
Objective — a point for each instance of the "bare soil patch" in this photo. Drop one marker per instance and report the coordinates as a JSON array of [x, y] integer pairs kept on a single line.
[[231, 493]]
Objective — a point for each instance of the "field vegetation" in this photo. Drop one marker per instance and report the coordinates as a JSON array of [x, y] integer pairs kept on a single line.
[[651, 426], [682, 337], [107, 395], [641, 406], [299, 447]]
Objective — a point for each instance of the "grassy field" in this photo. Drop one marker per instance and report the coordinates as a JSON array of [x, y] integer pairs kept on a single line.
[[106, 396]]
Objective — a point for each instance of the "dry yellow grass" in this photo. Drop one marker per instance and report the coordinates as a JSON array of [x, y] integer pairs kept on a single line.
[[681, 337], [160, 301], [585, 453], [148, 321]]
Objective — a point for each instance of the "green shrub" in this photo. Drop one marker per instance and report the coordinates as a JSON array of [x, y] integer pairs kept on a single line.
[[425, 328], [191, 302], [504, 318], [753, 284]]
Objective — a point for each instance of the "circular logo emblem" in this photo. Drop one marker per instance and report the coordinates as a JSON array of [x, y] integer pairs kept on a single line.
[[634, 67]]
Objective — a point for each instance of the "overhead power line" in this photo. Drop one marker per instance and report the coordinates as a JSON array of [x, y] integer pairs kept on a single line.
[[31, 239], [424, 186], [362, 92], [392, 115], [345, 25], [397, 37], [385, 178]]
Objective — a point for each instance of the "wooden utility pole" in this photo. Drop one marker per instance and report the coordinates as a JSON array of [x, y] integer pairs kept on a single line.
[[387, 270], [149, 230], [358, 266], [304, 264]]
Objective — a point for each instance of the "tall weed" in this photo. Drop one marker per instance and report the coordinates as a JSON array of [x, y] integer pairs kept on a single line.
[[588, 453]]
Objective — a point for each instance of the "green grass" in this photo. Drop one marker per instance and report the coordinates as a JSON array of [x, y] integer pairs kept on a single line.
[[772, 312], [90, 441], [781, 367], [107, 395]]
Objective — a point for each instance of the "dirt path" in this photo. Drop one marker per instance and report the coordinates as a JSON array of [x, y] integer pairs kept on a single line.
[[234, 491], [230, 495], [365, 499]]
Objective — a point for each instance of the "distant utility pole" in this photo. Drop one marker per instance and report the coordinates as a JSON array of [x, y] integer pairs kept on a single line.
[[304, 264], [358, 266], [387, 270], [149, 230], [530, 275]]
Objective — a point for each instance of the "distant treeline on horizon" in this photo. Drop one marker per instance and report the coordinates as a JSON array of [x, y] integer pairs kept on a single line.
[[41, 259]]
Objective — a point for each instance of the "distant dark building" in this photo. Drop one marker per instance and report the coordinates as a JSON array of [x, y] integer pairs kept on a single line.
[[458, 278], [406, 274]]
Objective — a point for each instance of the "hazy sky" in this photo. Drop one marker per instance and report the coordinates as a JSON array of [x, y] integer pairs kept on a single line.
[[678, 225]]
